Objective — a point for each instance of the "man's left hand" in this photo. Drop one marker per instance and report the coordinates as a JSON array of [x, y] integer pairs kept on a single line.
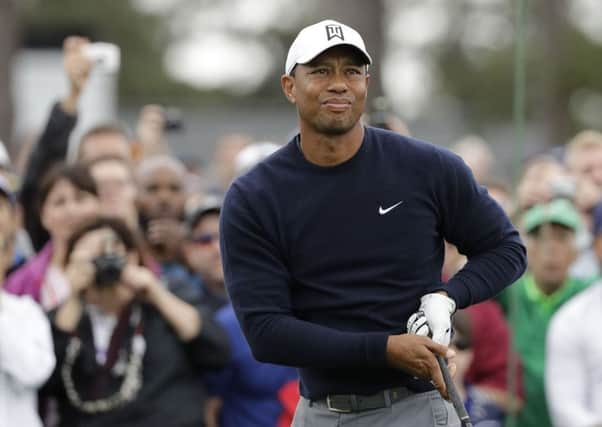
[[433, 318]]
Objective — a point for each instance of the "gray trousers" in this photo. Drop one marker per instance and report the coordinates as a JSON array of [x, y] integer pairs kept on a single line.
[[419, 410]]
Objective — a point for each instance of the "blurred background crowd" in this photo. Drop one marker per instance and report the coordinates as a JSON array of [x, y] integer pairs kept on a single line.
[[122, 124]]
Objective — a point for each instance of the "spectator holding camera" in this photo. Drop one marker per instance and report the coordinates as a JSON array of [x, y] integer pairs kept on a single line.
[[544, 179], [128, 349], [535, 185], [67, 195], [53, 144], [26, 353]]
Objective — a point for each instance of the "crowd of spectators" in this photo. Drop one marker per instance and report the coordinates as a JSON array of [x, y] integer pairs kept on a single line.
[[113, 309]]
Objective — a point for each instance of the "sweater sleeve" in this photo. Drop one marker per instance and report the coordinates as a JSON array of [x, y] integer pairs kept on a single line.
[[478, 226], [50, 149], [260, 285]]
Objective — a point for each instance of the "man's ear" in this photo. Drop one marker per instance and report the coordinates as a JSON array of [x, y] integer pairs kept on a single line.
[[288, 87]]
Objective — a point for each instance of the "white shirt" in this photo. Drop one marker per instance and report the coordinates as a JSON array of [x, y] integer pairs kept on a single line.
[[26, 359], [574, 361], [102, 331]]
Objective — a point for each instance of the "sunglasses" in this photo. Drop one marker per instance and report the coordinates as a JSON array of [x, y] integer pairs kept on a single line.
[[205, 239]]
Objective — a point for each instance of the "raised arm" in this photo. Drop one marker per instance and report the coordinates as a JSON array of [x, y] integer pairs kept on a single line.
[[53, 144]]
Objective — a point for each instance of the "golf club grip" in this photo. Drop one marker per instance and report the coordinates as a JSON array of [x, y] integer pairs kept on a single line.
[[453, 393]]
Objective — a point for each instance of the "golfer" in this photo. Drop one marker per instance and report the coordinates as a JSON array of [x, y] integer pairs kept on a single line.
[[333, 242]]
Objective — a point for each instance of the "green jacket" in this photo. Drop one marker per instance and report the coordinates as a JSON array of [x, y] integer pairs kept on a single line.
[[532, 311]]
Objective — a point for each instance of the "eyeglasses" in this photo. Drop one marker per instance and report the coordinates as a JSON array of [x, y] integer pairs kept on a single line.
[[205, 239]]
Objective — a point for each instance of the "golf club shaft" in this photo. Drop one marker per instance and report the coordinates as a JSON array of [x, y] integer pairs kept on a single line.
[[453, 393]]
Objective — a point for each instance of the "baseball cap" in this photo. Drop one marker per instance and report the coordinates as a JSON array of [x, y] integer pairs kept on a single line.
[[558, 211], [315, 39], [209, 204]]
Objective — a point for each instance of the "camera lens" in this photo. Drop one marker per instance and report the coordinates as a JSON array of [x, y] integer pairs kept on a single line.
[[108, 269]]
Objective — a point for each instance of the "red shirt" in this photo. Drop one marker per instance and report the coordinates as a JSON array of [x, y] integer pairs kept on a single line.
[[490, 344]]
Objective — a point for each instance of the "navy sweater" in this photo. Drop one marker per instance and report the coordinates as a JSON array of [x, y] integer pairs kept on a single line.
[[322, 267]]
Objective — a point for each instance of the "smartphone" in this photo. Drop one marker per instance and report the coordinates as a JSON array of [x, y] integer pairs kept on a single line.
[[105, 55]]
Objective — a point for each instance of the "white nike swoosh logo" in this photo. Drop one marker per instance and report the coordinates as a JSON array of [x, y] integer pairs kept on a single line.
[[389, 209]]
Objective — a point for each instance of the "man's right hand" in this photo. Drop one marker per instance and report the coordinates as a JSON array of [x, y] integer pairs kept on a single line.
[[77, 70], [416, 355]]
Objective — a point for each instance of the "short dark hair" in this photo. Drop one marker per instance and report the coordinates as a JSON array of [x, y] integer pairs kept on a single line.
[[129, 238], [109, 127], [77, 175], [104, 128]]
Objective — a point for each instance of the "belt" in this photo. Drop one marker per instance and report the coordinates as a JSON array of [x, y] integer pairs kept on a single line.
[[346, 403]]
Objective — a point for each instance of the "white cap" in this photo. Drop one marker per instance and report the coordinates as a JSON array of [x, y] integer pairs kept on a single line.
[[315, 39]]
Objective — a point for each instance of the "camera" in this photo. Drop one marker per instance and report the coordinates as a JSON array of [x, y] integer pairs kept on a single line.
[[564, 187], [108, 268], [173, 119], [106, 55]]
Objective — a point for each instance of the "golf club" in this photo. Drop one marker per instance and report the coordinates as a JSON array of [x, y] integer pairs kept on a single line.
[[453, 393]]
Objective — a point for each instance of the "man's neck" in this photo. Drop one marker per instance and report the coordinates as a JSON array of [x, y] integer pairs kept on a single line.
[[330, 150]]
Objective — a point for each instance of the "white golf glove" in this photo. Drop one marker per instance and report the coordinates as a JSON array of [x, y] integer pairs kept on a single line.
[[433, 318]]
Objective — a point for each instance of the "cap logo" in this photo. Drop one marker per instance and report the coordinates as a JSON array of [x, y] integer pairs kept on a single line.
[[333, 31]]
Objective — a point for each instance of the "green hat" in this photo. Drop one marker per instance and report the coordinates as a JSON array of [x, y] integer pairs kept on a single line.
[[558, 211]]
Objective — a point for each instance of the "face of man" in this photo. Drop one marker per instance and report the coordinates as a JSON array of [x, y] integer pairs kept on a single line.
[[330, 91], [105, 144], [551, 251], [202, 250], [588, 164], [116, 189], [161, 193]]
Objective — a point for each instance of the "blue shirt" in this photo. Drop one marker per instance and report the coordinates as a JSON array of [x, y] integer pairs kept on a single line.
[[322, 264], [249, 389]]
